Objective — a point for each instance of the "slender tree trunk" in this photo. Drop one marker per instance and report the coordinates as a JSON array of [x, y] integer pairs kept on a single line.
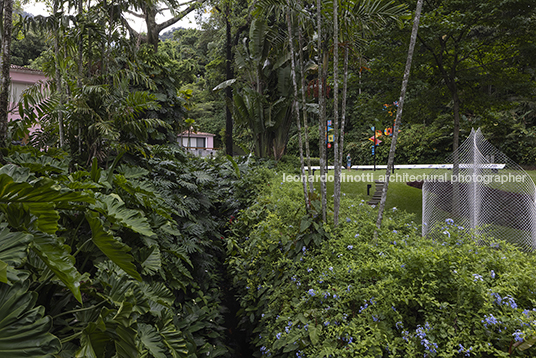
[[296, 103], [58, 74], [336, 159], [399, 114], [343, 104], [304, 106], [322, 112], [228, 91], [5, 64], [81, 69]]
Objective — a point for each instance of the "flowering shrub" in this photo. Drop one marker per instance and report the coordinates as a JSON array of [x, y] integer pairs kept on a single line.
[[402, 295]]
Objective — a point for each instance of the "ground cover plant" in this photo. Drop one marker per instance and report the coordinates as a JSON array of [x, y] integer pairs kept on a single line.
[[308, 290]]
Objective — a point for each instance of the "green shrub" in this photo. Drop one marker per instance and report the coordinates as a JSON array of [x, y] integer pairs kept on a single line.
[[345, 295]]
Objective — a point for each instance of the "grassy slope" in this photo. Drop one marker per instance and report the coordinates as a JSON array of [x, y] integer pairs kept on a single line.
[[399, 195]]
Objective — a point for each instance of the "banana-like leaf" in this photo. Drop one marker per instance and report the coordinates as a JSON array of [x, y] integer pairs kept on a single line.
[[257, 38], [24, 332], [58, 258], [112, 248], [41, 198], [12, 250], [114, 209], [224, 85]]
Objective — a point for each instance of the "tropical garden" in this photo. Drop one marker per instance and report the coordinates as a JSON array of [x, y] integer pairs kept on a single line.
[[117, 242]]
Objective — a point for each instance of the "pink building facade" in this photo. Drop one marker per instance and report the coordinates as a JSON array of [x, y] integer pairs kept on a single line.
[[21, 79], [199, 143]]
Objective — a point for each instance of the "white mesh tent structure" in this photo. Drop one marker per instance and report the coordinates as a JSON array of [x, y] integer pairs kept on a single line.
[[486, 193]]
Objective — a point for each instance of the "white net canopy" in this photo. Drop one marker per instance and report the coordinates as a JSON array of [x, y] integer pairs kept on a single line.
[[486, 193]]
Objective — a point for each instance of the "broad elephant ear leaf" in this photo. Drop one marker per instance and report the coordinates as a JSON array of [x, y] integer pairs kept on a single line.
[[41, 198], [58, 258], [12, 250], [112, 248], [115, 210], [24, 332]]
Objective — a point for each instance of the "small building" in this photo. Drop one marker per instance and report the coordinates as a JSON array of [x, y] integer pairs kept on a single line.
[[198, 143], [21, 79]]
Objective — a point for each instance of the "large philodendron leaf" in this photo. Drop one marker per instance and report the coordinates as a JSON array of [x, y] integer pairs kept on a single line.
[[41, 198], [57, 257], [24, 332], [115, 210], [13, 247], [112, 248]]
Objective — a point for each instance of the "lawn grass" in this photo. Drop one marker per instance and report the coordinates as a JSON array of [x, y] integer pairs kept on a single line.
[[399, 194]]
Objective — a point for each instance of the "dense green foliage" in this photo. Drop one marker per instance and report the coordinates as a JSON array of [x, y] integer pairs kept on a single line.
[[310, 291], [125, 259]]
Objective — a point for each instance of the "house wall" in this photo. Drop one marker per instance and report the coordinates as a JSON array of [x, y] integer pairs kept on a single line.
[[21, 79]]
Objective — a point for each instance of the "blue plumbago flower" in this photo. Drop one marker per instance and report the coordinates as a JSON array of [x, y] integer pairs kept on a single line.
[[326, 323], [287, 329], [309, 269], [492, 273], [374, 318], [363, 307], [490, 320], [477, 277], [262, 315], [395, 231], [394, 208], [403, 265], [278, 336], [394, 242], [348, 220], [526, 313], [373, 206], [393, 307], [263, 349], [350, 247], [449, 221], [335, 296], [306, 326], [518, 336], [460, 227], [356, 235], [304, 249], [446, 233], [348, 288], [405, 335], [247, 287], [259, 287], [293, 278], [331, 268], [462, 349], [311, 292], [399, 325]]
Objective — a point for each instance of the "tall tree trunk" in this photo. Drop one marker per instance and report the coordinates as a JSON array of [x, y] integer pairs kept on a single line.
[[343, 103], [322, 112], [296, 104], [399, 114], [228, 91], [57, 76], [336, 159], [6, 16], [304, 106]]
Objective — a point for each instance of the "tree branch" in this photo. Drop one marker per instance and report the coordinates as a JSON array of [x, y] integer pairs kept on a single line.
[[179, 16], [141, 16]]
